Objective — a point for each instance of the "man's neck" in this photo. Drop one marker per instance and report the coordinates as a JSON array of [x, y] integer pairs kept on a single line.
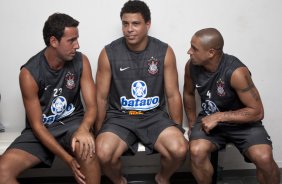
[[139, 46], [54, 62], [214, 63]]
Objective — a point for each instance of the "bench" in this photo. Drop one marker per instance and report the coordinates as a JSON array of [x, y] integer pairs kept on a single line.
[[6, 138]]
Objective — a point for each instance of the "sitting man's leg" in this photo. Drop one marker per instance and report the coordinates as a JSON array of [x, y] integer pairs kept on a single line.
[[109, 149], [267, 169], [89, 166], [13, 162], [24, 153], [173, 147], [202, 169], [257, 148], [201, 146], [89, 163]]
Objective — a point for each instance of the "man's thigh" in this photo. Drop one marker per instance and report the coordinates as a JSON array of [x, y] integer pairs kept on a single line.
[[14, 161], [114, 129], [157, 127], [64, 133], [252, 136], [215, 136], [29, 143]]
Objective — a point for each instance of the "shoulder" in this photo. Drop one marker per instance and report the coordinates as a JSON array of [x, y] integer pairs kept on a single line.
[[84, 59], [34, 66], [158, 42], [114, 44], [103, 60], [26, 77], [35, 60], [232, 64], [232, 61], [169, 55], [187, 66], [79, 56], [78, 60]]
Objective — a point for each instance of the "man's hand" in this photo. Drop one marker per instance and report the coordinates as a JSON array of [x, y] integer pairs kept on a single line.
[[209, 122], [75, 167], [86, 142]]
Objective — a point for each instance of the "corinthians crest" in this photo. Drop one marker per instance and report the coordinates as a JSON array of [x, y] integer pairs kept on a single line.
[[220, 88], [70, 80], [153, 66]]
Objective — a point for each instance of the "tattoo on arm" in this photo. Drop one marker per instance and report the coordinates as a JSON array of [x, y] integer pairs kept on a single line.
[[250, 85], [250, 88]]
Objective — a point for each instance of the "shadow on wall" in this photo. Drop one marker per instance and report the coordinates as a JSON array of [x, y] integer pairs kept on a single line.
[[2, 128]]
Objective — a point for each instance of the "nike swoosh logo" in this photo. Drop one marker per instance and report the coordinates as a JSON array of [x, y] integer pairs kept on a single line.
[[122, 69], [198, 86]]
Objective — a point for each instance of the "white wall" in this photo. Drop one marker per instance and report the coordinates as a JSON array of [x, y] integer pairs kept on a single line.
[[251, 29]]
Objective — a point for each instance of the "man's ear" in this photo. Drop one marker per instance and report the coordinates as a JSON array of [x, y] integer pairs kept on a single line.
[[148, 24], [54, 41], [212, 52]]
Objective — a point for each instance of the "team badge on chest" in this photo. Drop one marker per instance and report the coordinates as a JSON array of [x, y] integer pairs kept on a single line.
[[153, 66], [70, 80], [220, 88]]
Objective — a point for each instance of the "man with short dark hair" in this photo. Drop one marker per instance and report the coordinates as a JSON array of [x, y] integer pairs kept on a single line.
[[231, 109], [56, 124], [136, 75]]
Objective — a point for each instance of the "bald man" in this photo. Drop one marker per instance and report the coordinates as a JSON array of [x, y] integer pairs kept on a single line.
[[231, 109]]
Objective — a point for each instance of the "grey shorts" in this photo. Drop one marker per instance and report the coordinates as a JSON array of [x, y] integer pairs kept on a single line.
[[62, 132], [144, 128], [241, 135]]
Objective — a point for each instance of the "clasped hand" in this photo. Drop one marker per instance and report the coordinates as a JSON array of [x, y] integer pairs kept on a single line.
[[209, 122]]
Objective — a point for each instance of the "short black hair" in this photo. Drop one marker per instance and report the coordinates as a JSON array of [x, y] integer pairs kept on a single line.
[[55, 26], [136, 6]]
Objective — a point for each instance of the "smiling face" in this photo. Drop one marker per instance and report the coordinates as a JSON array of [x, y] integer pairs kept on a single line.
[[135, 30]]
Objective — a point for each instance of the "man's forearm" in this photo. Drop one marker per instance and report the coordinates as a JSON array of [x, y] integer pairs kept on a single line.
[[175, 109], [102, 104], [244, 115], [51, 143], [190, 109], [88, 119]]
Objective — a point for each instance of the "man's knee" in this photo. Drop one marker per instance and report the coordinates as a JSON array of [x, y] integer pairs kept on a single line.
[[263, 160], [199, 150], [179, 150], [84, 156], [104, 153], [261, 156], [109, 148], [5, 173]]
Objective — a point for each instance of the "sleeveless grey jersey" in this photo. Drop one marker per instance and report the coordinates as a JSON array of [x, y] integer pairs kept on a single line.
[[214, 88], [137, 81], [59, 90]]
